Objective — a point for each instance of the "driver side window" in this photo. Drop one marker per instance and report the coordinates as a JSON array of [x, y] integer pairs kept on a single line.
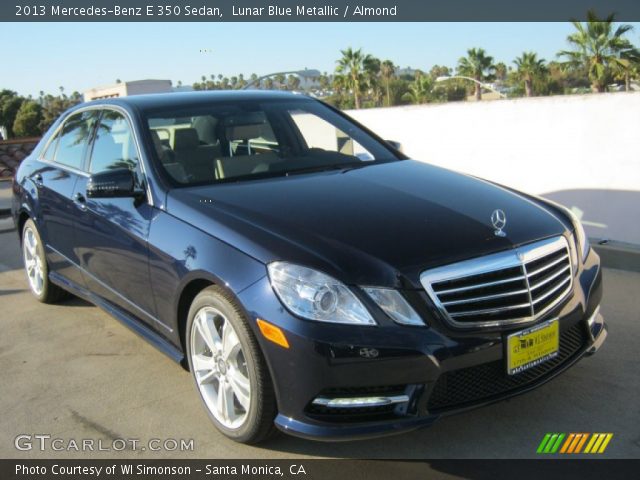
[[114, 145]]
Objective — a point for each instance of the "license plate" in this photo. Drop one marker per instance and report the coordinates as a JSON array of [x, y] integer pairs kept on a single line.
[[531, 347]]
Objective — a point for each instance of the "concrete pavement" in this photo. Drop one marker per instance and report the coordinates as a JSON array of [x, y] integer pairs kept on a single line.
[[73, 372]]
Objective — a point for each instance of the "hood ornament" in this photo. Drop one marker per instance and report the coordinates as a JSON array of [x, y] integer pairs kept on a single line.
[[499, 220]]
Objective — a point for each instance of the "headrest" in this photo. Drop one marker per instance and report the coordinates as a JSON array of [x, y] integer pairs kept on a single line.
[[244, 132], [206, 128], [185, 139]]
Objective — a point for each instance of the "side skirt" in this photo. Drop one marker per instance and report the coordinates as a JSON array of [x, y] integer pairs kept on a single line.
[[141, 329]]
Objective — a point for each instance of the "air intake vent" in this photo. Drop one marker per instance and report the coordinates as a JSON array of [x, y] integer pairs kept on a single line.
[[510, 287]]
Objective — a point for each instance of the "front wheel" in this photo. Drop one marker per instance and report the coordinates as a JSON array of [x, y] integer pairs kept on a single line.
[[228, 368]]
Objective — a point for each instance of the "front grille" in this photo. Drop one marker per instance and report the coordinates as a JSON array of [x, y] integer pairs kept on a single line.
[[515, 286], [466, 386]]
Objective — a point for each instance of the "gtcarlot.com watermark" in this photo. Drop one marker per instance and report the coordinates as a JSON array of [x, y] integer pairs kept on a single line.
[[47, 443]]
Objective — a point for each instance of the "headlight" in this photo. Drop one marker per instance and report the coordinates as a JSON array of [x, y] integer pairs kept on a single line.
[[394, 305], [582, 242], [316, 296]]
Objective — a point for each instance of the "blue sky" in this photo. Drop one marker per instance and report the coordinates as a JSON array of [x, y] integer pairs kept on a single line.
[[83, 55]]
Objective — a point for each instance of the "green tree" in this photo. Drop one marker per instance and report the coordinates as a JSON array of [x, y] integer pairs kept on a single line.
[[419, 90], [529, 67], [280, 79], [293, 82], [387, 72], [10, 103], [351, 70], [628, 67], [479, 66], [600, 46], [501, 71], [28, 120]]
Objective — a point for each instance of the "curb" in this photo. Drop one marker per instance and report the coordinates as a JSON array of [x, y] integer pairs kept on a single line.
[[619, 255], [6, 224]]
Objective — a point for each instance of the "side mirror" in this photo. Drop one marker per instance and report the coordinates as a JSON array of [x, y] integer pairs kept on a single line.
[[394, 144], [118, 182]]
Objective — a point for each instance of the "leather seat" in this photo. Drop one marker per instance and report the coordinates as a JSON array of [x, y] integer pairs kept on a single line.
[[197, 160], [237, 165]]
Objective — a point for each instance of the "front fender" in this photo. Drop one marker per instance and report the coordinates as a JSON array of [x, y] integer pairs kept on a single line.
[[180, 253]]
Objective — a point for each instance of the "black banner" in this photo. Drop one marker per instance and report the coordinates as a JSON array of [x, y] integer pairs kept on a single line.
[[310, 10], [583, 469]]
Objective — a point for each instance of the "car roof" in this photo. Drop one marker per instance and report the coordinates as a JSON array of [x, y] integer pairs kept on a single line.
[[187, 99]]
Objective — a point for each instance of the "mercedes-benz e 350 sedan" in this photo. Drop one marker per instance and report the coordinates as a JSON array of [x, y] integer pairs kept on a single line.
[[309, 275]]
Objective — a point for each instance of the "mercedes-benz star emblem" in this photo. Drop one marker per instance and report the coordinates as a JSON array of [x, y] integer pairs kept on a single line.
[[499, 220]]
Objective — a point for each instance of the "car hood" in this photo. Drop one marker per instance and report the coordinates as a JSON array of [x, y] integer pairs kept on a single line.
[[381, 224]]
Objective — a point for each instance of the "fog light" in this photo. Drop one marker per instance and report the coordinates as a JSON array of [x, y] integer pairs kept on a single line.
[[360, 402]]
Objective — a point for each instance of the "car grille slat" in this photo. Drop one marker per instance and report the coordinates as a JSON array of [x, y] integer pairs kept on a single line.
[[549, 265], [486, 297], [550, 278], [491, 310], [482, 285], [515, 286]]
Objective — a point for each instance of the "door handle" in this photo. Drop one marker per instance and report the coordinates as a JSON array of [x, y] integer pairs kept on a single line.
[[37, 179], [80, 201]]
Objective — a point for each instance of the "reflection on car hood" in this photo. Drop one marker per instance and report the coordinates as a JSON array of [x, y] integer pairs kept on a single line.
[[379, 225]]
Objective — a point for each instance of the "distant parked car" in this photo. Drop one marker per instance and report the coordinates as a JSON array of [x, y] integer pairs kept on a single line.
[[309, 275]]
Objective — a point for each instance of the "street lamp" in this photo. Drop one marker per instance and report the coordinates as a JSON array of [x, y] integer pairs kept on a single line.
[[483, 85], [300, 73]]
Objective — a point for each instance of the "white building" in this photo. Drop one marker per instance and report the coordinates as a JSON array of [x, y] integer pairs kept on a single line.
[[124, 89]]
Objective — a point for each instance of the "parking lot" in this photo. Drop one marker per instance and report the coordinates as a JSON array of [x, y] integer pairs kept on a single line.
[[73, 372]]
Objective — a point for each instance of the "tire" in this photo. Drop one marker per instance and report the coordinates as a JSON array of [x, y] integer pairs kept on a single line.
[[36, 267], [234, 363]]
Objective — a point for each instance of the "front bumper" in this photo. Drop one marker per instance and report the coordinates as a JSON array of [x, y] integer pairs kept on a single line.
[[440, 371]]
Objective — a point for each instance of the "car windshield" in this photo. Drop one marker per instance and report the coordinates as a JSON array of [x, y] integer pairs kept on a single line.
[[243, 140]]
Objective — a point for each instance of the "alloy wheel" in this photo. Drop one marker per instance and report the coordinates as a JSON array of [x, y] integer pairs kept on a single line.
[[32, 262], [220, 367]]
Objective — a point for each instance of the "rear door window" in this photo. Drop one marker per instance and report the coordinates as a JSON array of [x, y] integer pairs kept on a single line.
[[73, 140]]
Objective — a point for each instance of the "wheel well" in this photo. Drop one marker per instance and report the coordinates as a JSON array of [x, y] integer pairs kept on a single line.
[[22, 219], [189, 292]]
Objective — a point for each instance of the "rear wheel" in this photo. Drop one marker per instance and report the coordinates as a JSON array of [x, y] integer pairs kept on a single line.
[[36, 268], [228, 368]]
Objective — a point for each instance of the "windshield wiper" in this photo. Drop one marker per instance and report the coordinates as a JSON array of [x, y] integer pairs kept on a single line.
[[322, 168]]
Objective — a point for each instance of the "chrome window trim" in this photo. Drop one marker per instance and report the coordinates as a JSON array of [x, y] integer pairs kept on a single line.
[[98, 107], [516, 257]]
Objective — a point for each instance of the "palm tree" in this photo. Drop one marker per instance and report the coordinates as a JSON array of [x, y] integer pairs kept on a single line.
[[387, 71], [293, 82], [477, 65], [419, 90], [628, 67], [501, 71], [599, 46], [371, 66], [529, 67], [268, 83], [351, 67], [280, 79]]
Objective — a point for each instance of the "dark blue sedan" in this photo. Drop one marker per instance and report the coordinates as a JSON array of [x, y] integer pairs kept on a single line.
[[309, 275]]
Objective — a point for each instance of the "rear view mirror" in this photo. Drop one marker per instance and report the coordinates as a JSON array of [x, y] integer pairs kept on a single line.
[[118, 182], [395, 145]]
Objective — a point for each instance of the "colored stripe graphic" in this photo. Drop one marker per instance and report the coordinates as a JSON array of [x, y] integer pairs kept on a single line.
[[573, 443], [543, 443], [599, 443]]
